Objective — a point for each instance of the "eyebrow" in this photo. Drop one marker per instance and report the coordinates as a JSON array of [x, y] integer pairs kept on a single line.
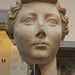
[[29, 14], [52, 15]]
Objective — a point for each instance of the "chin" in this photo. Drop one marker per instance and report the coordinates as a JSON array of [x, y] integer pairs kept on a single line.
[[36, 60], [40, 54]]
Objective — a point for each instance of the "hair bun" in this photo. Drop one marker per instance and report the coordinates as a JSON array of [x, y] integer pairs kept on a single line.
[[51, 1]]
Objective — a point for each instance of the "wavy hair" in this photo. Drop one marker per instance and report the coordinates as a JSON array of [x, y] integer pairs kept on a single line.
[[14, 10]]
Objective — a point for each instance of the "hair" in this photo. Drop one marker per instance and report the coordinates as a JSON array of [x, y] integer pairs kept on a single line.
[[14, 10]]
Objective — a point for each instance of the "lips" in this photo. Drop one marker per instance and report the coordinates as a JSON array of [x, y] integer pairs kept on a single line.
[[41, 46], [40, 43]]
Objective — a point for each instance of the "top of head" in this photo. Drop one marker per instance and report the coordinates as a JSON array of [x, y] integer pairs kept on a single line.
[[51, 1]]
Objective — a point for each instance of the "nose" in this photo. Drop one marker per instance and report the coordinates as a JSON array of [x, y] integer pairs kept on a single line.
[[41, 34]]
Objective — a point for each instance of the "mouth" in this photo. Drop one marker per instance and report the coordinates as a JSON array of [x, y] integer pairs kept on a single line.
[[41, 46]]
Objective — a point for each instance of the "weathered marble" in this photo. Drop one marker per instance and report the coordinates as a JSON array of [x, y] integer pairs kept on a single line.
[[38, 28]]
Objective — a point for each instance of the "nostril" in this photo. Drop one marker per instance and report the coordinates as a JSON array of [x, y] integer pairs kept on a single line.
[[41, 34]]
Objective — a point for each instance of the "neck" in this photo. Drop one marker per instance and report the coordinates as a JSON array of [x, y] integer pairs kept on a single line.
[[48, 69]]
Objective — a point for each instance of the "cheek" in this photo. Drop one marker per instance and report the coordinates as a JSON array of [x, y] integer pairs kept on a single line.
[[55, 34], [23, 37], [54, 40], [24, 32], [22, 41]]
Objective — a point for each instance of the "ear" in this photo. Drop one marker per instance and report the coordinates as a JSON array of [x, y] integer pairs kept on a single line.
[[13, 41]]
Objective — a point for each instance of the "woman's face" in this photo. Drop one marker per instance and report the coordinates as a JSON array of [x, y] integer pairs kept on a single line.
[[38, 32]]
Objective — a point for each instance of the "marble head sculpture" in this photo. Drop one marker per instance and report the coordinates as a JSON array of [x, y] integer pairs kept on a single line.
[[37, 28]]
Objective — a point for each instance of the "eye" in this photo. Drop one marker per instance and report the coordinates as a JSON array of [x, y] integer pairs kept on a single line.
[[29, 21], [52, 21]]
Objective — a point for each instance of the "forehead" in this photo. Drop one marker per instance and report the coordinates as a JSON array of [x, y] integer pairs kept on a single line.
[[41, 8]]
